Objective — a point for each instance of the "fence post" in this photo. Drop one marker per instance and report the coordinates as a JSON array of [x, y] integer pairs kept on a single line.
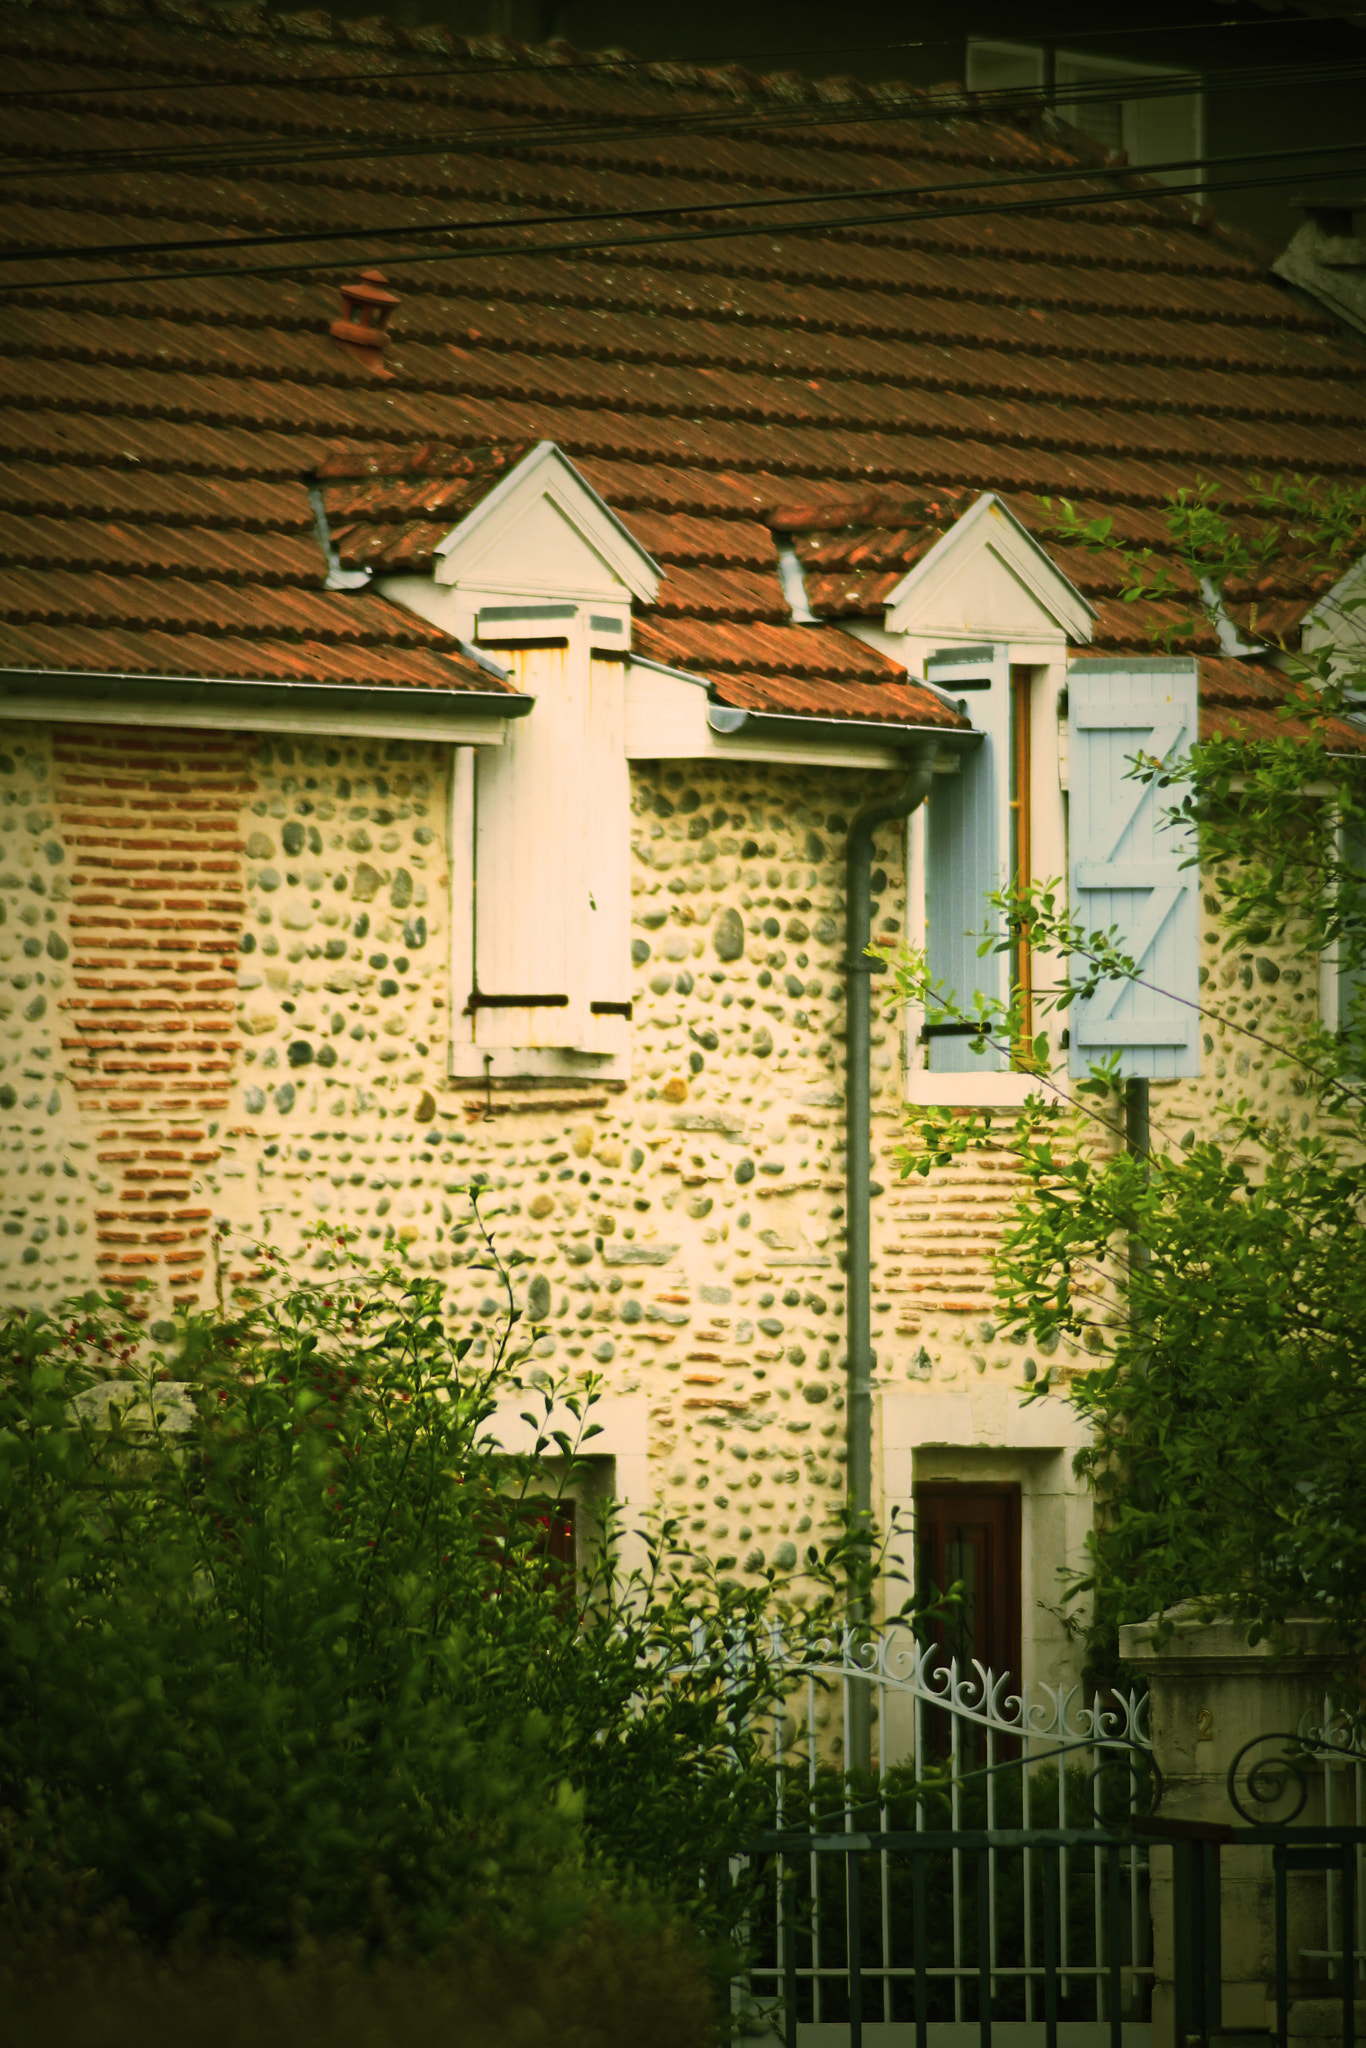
[[1209, 1693]]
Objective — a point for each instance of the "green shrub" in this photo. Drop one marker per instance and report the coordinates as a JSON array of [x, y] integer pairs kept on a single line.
[[304, 1670], [605, 1985]]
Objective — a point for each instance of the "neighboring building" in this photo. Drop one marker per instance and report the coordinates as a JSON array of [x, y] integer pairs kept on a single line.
[[1242, 79], [1325, 260], [430, 746]]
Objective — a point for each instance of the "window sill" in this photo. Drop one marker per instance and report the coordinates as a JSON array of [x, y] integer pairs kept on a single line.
[[512, 1062], [970, 1091]]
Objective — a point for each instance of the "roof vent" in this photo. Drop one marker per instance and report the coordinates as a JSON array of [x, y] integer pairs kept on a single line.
[[361, 333]]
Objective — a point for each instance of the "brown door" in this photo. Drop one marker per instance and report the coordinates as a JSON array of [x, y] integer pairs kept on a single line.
[[970, 1536]]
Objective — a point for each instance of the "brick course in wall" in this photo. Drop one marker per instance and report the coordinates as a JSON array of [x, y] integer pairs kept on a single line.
[[150, 822]]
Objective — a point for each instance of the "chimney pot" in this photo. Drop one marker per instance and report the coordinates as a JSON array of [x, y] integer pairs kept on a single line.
[[361, 330]]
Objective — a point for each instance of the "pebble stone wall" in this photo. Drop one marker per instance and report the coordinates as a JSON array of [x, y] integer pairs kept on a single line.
[[225, 996]]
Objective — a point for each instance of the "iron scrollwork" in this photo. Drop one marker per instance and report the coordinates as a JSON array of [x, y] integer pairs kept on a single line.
[[1269, 1780]]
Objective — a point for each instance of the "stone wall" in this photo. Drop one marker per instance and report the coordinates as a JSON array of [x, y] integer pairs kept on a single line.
[[685, 1229]]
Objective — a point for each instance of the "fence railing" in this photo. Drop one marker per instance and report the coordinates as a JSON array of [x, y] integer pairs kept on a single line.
[[1337, 1749], [972, 1864]]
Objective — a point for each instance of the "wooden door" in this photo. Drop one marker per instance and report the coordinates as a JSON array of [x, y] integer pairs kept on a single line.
[[970, 1534]]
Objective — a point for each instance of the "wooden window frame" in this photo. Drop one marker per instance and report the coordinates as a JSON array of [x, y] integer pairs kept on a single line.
[[1020, 853]]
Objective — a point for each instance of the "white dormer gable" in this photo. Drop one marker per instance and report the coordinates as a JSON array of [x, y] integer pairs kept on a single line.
[[987, 579], [543, 532], [541, 538], [1336, 623]]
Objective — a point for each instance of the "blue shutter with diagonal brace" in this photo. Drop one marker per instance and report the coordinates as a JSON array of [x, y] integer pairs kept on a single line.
[[1127, 862], [966, 852], [1344, 1010]]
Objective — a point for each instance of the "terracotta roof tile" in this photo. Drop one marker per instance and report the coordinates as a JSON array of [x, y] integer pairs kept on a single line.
[[740, 595], [247, 611], [109, 544], [107, 650], [812, 652], [1244, 699], [885, 703], [851, 391]]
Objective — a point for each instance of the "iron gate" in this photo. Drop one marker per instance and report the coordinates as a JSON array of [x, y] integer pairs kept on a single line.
[[977, 1870], [993, 1870]]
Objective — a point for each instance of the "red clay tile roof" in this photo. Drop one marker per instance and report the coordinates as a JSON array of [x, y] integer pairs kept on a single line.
[[851, 391]]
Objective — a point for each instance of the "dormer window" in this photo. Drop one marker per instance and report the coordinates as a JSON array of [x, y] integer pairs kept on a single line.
[[540, 577]]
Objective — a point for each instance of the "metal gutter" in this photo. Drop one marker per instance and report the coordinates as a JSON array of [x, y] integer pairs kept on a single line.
[[727, 722], [235, 692], [859, 971]]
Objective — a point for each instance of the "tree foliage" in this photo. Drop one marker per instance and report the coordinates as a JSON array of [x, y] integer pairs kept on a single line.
[[1206, 1304]]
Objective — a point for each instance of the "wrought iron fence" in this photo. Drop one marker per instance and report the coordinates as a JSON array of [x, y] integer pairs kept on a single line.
[[1333, 1748], [975, 1870], [1273, 1783]]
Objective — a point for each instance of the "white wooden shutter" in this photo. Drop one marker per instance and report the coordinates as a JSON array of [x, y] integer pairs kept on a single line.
[[531, 883], [966, 853], [605, 804], [1128, 864], [552, 862]]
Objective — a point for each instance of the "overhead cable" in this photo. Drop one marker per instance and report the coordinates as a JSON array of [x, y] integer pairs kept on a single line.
[[743, 119], [687, 238], [573, 217]]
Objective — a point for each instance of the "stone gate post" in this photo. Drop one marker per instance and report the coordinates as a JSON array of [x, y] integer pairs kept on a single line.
[[1210, 1692]]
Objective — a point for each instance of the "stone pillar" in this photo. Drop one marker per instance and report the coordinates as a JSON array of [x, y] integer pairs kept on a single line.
[[1210, 1692]]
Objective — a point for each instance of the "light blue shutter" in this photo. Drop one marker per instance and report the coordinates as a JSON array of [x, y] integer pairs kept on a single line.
[[966, 850], [1127, 864]]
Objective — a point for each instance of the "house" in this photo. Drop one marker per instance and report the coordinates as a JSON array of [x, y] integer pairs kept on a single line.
[[1325, 262], [436, 719]]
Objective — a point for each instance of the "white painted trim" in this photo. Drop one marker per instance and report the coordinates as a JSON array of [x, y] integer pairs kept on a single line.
[[970, 1091], [1327, 624], [800, 753], [917, 934], [461, 858], [512, 1062], [664, 724], [601, 529], [991, 524], [442, 726]]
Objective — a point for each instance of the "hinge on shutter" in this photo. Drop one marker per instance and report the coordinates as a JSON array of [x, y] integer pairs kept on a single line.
[[477, 1000], [610, 1010]]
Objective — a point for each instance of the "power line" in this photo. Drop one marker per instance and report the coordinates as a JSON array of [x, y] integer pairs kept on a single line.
[[709, 207], [586, 63], [959, 106], [689, 237]]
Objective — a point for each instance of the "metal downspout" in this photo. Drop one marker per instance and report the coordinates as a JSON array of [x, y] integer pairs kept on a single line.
[[858, 1174]]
